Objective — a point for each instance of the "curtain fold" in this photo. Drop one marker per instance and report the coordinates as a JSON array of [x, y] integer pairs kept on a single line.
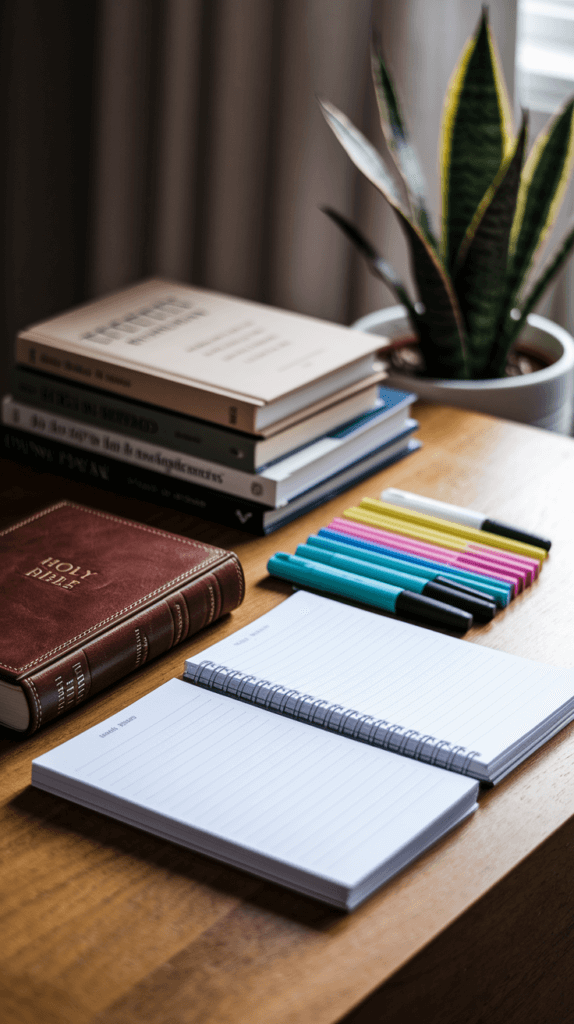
[[211, 154], [184, 138]]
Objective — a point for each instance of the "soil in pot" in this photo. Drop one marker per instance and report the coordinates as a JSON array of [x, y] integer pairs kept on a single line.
[[403, 356]]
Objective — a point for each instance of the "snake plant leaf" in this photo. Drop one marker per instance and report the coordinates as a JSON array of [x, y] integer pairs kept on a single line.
[[513, 327], [481, 270], [377, 265], [476, 136], [397, 139], [362, 153], [544, 180], [440, 327]]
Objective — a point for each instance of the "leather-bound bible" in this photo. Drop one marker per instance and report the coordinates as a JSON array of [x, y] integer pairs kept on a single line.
[[88, 597]]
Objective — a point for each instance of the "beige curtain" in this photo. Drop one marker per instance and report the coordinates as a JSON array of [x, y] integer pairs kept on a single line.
[[183, 138], [212, 159], [222, 184]]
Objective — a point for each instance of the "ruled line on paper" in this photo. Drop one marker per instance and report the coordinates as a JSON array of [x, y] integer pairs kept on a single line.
[[437, 685], [264, 782]]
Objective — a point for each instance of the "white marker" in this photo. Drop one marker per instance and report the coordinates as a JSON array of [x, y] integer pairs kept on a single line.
[[464, 516]]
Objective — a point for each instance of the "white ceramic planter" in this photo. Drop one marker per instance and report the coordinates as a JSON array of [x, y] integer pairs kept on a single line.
[[542, 399]]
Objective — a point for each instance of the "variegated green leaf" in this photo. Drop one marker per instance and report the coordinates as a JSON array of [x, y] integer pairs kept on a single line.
[[480, 277], [377, 265], [397, 139], [513, 327], [476, 136], [440, 327], [544, 180], [362, 153]]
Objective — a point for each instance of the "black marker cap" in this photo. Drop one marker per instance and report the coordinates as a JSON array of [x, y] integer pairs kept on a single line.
[[432, 613], [504, 530], [453, 584], [481, 608]]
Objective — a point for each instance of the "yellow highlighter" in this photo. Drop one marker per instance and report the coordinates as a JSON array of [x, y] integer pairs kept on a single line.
[[420, 540], [421, 519]]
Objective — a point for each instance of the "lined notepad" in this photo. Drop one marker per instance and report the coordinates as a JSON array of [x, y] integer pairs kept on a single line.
[[322, 746], [314, 811], [438, 698]]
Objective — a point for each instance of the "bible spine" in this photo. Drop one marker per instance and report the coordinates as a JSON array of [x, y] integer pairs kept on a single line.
[[365, 728], [80, 674]]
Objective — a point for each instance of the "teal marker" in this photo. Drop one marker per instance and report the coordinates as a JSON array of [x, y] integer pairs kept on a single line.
[[482, 609], [475, 586], [498, 590], [381, 595]]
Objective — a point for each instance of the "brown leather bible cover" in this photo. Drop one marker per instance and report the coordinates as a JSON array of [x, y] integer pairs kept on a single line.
[[87, 597]]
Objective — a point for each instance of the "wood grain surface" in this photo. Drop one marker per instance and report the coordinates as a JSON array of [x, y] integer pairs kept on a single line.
[[102, 924]]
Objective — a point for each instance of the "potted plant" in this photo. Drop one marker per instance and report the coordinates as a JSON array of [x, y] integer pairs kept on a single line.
[[479, 282]]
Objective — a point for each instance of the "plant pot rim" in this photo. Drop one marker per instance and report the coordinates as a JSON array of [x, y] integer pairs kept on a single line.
[[561, 365]]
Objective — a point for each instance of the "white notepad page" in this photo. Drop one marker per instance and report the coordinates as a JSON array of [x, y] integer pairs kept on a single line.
[[471, 696], [282, 799]]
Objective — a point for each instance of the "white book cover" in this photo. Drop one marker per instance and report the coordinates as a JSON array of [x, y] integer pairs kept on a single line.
[[176, 345]]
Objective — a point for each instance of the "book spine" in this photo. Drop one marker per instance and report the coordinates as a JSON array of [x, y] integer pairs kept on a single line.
[[334, 717], [109, 657], [135, 453], [208, 404], [144, 422], [51, 456]]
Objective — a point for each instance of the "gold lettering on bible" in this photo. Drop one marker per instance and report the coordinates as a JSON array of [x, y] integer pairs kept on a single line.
[[60, 573]]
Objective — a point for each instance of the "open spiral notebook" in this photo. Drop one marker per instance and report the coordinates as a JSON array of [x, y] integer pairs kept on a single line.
[[322, 746]]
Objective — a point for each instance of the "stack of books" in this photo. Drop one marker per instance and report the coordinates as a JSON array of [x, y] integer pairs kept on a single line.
[[240, 413]]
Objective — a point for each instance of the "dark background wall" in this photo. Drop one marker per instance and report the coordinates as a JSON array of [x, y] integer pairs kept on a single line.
[[46, 114]]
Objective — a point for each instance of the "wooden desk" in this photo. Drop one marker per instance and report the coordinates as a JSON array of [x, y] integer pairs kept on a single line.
[[101, 923]]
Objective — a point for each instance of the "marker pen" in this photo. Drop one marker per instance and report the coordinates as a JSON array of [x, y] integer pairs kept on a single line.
[[400, 602], [519, 577], [497, 590], [506, 544], [481, 609], [464, 516], [392, 560], [519, 563]]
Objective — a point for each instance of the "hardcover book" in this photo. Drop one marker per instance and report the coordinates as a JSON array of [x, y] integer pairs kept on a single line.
[[88, 597], [189, 350], [249, 452], [48, 455], [273, 486]]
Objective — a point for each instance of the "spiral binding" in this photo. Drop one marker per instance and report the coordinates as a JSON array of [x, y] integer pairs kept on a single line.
[[378, 732]]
